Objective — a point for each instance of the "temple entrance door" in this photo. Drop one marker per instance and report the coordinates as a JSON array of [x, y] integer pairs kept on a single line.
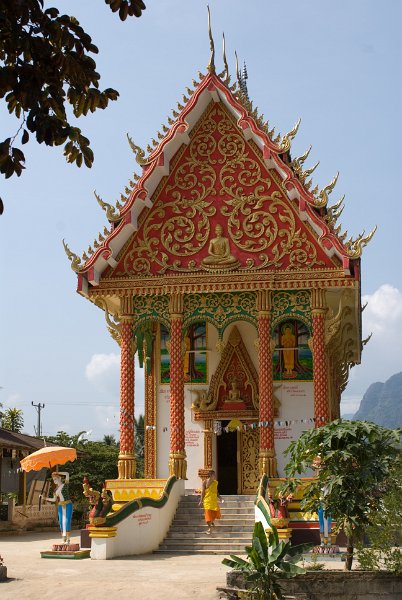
[[248, 464], [227, 462]]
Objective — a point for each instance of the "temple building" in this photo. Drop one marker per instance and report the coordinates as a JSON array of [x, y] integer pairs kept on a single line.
[[224, 269]]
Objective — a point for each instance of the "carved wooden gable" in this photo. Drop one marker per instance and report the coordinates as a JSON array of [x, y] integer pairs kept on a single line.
[[220, 200]]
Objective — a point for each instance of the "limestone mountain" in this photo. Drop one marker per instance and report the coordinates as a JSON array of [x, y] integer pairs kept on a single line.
[[382, 403]]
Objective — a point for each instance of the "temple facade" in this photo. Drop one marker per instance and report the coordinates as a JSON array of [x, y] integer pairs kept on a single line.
[[224, 270]]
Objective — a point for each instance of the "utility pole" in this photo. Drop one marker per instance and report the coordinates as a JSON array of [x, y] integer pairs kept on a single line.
[[38, 408]]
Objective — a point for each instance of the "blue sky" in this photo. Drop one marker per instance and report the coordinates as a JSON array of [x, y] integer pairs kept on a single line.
[[334, 64]]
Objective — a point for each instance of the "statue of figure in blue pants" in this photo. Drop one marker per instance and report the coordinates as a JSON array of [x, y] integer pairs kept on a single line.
[[325, 522], [64, 505]]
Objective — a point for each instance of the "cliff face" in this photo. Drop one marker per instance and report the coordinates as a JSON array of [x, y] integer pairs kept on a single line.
[[382, 403]]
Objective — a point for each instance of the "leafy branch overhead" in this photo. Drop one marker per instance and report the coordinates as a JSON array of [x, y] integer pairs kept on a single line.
[[45, 64]]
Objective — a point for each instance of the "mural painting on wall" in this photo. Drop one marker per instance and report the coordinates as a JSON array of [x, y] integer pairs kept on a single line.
[[195, 363], [292, 358]]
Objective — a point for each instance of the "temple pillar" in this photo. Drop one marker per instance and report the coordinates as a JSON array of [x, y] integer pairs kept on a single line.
[[177, 456], [126, 460], [208, 445], [320, 363], [150, 418], [267, 459]]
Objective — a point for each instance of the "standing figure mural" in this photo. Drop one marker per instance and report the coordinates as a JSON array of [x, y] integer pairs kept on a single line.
[[292, 359]]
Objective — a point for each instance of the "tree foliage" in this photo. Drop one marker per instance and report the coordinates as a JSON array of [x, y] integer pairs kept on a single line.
[[13, 419], [353, 461], [268, 561], [384, 534], [96, 460], [46, 64], [139, 445]]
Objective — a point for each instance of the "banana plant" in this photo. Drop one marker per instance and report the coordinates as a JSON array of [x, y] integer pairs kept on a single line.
[[268, 561]]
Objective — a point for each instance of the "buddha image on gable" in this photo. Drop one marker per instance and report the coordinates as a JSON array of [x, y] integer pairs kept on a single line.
[[292, 356], [219, 255]]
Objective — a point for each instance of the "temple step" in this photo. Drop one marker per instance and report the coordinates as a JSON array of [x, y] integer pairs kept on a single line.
[[187, 534]]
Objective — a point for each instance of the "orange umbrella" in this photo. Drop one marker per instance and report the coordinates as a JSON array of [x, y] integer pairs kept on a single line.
[[48, 457]]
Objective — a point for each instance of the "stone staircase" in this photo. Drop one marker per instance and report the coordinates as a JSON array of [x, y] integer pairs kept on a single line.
[[230, 535]]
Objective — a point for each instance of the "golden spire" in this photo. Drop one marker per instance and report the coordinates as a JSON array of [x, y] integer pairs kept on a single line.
[[139, 152], [322, 199], [110, 210], [311, 170], [237, 70], [73, 258], [211, 65], [300, 159], [355, 247], [286, 141], [225, 62]]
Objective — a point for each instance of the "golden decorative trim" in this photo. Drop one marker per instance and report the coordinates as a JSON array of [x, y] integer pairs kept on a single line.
[[178, 465], [267, 463], [126, 466], [102, 532]]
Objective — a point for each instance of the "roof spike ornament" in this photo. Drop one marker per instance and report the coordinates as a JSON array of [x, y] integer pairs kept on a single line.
[[238, 74], [355, 247], [243, 81], [211, 64], [300, 159], [322, 199], [311, 170], [139, 152], [110, 210], [73, 258], [225, 62], [286, 140]]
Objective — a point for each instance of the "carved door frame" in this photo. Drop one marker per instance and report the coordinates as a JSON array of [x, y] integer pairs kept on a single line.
[[248, 443]]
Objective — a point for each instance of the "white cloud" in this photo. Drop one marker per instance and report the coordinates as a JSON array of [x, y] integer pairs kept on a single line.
[[381, 357], [103, 371], [384, 309]]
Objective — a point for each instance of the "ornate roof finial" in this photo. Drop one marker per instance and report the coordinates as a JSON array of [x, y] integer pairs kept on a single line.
[[355, 247], [225, 62], [322, 199], [288, 137], [243, 80], [238, 74], [211, 65], [73, 258], [108, 208], [139, 152]]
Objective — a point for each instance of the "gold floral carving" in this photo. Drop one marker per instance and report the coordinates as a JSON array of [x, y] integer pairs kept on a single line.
[[249, 444], [220, 177], [292, 305]]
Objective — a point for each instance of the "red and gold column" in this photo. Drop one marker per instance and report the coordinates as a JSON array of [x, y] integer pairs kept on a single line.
[[267, 459], [320, 363], [126, 460], [150, 416], [177, 456]]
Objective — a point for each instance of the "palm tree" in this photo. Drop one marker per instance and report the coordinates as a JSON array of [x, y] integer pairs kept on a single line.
[[13, 420], [109, 440]]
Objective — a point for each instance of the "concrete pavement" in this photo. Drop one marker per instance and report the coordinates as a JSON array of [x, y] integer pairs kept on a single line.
[[138, 578]]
